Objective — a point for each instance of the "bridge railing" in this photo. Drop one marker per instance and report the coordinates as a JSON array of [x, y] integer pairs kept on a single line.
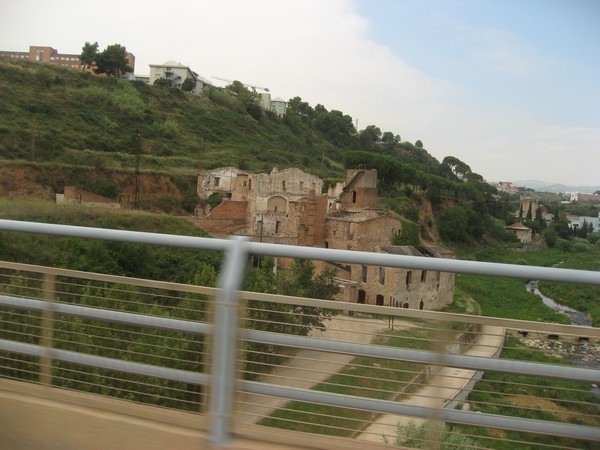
[[242, 360]]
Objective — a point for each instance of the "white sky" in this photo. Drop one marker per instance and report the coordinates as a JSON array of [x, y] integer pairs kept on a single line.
[[510, 88]]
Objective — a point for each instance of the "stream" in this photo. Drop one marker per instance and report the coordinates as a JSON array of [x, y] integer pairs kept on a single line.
[[581, 353], [577, 317]]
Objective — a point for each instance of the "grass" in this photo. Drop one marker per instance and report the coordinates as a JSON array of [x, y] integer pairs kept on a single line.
[[531, 398], [61, 115], [490, 296], [508, 298], [363, 377]]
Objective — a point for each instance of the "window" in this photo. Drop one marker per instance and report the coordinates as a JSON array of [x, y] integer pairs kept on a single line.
[[217, 180], [408, 278], [283, 184], [353, 196], [379, 300], [277, 226], [382, 275], [301, 185], [364, 274], [423, 276]]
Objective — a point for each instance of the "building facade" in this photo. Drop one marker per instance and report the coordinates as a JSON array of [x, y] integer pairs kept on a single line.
[[50, 55], [288, 207], [176, 73]]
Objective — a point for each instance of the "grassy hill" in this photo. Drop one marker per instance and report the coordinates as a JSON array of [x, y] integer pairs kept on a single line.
[[50, 113], [62, 127]]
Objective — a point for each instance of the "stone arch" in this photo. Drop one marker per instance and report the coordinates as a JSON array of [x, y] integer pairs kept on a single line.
[[277, 204], [379, 300]]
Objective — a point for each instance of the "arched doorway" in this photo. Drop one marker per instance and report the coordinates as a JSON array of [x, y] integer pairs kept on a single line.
[[379, 300], [362, 295]]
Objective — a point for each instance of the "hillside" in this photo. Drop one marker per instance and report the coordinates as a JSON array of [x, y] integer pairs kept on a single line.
[[61, 127], [53, 114]]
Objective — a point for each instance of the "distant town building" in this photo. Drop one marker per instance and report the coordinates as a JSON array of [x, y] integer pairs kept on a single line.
[[506, 186], [577, 222], [522, 232], [528, 203], [584, 198], [50, 55]]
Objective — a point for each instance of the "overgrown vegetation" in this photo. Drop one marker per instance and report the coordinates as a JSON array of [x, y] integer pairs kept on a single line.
[[58, 117], [148, 262], [559, 400]]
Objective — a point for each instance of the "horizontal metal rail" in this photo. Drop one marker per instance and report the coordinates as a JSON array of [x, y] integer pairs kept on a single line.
[[102, 362], [310, 343], [322, 254], [325, 398], [225, 334]]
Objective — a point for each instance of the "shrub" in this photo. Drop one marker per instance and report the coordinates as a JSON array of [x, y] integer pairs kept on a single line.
[[563, 244], [167, 129], [594, 237]]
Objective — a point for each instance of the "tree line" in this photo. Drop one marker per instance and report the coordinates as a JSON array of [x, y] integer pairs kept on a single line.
[[112, 61]]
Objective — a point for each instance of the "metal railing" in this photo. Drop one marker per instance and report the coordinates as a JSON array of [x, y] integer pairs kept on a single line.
[[363, 369]]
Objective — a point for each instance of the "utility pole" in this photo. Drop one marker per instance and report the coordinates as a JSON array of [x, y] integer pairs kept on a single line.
[[136, 182], [33, 132]]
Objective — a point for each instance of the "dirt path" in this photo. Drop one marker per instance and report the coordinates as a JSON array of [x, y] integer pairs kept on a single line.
[[309, 367], [442, 388]]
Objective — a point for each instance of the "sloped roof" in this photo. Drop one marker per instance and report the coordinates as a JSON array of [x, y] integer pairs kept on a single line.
[[518, 226]]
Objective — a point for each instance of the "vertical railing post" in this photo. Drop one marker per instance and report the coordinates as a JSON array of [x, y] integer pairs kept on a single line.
[[225, 343], [47, 329]]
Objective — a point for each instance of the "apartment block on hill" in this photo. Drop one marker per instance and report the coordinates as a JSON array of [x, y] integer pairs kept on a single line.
[[176, 73]]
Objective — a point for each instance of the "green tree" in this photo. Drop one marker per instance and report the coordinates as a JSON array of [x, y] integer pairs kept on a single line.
[[188, 85], [300, 281], [369, 137], [88, 56], [419, 144], [112, 61], [163, 83], [389, 138], [453, 224], [297, 106]]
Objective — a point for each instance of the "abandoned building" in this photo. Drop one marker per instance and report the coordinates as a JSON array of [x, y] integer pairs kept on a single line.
[[288, 207], [403, 288]]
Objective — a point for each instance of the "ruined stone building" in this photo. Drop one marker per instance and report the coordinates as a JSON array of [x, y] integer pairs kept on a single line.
[[398, 287], [266, 206], [288, 207]]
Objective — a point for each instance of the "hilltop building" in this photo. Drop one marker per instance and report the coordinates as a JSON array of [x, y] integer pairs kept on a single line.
[[276, 105], [176, 73], [51, 56], [522, 232]]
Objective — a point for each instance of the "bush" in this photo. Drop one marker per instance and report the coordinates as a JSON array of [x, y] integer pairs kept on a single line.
[[563, 245], [167, 129], [581, 247], [594, 237]]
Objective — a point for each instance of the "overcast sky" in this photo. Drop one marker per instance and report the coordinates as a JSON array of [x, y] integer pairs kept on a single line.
[[509, 87]]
